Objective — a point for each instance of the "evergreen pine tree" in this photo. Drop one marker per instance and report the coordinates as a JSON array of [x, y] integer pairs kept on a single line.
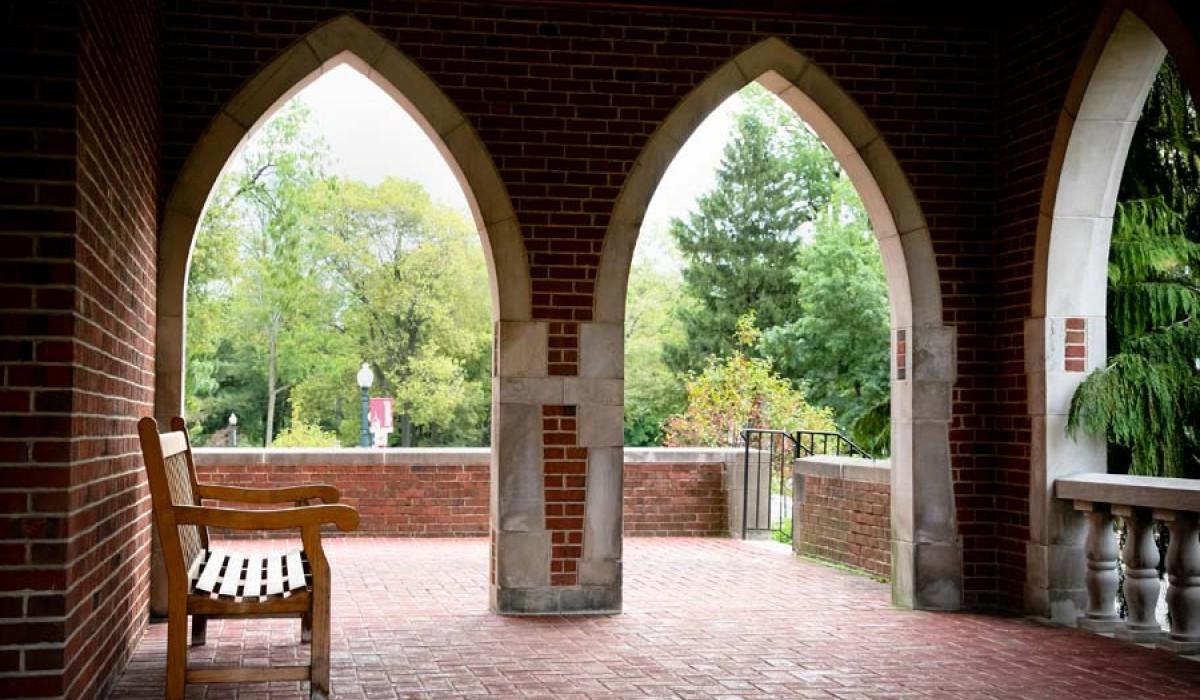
[[1146, 402], [775, 176]]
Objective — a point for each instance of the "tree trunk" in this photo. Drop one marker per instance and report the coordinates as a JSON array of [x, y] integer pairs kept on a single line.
[[272, 334], [405, 431]]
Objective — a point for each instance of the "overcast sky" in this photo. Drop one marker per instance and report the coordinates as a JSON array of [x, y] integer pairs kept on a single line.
[[371, 137]]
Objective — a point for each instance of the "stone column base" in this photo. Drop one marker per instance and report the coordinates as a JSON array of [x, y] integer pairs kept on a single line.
[[1180, 646], [552, 600], [1101, 625], [1137, 635]]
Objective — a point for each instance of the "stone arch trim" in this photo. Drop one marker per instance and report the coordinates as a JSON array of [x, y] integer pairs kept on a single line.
[[1068, 306], [927, 559], [343, 40]]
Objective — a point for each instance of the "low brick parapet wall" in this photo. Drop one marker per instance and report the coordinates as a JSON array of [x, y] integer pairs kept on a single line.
[[842, 510], [445, 492]]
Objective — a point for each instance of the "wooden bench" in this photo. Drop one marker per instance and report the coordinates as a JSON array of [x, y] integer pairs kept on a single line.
[[207, 582]]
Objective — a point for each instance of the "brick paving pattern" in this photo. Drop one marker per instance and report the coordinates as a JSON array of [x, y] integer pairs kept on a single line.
[[704, 618]]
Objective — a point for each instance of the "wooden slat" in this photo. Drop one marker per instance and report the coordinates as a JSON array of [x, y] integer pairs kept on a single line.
[[172, 443], [295, 570], [253, 587], [212, 569], [233, 576], [194, 568], [274, 573], [243, 674], [291, 606]]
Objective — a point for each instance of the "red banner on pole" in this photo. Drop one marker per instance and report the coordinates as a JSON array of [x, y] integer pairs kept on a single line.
[[380, 414]]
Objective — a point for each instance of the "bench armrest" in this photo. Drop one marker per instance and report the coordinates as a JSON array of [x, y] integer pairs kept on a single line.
[[342, 516], [283, 494]]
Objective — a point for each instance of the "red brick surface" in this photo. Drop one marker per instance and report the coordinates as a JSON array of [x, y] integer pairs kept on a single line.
[[702, 618], [845, 521], [673, 500], [676, 500], [564, 470]]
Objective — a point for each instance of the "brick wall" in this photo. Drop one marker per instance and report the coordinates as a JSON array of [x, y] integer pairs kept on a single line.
[[38, 66], [434, 493], [843, 515], [1037, 66], [113, 352], [679, 500], [79, 134]]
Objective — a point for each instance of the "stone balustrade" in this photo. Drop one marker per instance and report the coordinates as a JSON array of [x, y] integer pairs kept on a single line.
[[1139, 502]]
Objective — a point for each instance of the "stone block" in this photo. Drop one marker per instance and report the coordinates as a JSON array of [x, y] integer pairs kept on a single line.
[[937, 576], [602, 350], [590, 600], [522, 559], [600, 426], [525, 601], [517, 466], [522, 348], [603, 510], [578, 391], [274, 84], [932, 353], [530, 390], [1078, 257], [600, 573]]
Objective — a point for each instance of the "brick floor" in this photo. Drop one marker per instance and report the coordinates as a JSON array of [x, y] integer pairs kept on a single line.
[[704, 618]]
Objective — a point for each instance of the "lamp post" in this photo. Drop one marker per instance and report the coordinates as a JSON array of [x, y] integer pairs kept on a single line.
[[232, 429], [365, 378]]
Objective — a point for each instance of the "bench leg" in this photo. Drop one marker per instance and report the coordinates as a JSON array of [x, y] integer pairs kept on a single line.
[[199, 630], [177, 639], [306, 628]]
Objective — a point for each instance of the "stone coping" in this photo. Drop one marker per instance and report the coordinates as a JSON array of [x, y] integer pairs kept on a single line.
[[1161, 493], [877, 471], [430, 456]]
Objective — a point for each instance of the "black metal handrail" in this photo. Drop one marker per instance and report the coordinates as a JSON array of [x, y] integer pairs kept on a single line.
[[842, 445], [780, 448]]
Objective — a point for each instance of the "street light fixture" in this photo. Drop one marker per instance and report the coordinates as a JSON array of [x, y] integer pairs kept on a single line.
[[232, 429], [365, 378]]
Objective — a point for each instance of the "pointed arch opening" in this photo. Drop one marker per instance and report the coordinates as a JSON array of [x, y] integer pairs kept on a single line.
[[343, 41], [1066, 334], [926, 554]]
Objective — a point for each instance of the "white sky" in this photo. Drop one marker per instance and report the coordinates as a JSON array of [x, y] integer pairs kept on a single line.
[[371, 137]]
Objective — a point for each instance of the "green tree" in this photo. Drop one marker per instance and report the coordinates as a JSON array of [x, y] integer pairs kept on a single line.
[[738, 391], [256, 302], [838, 342], [653, 392], [417, 293], [1146, 401], [775, 177]]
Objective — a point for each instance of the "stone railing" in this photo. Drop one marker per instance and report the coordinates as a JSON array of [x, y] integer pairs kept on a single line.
[[445, 492], [842, 511], [1140, 502]]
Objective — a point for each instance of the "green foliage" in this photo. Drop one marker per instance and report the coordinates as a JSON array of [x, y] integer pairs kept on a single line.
[[737, 391], [1146, 402], [297, 277], [838, 341], [775, 177], [653, 392]]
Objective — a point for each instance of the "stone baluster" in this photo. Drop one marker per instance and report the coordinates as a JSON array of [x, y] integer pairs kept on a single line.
[[1183, 578], [1101, 577], [1140, 557]]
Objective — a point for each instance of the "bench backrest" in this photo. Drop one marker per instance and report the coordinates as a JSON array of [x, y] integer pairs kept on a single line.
[[172, 476]]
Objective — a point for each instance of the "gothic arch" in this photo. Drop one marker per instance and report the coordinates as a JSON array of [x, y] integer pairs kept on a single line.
[[1087, 159], [341, 41], [926, 553]]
